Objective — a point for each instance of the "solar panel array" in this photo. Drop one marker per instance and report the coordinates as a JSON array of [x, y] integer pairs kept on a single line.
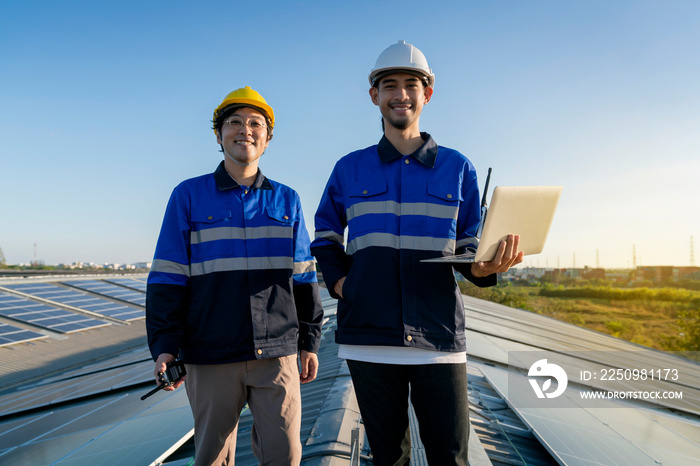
[[41, 315], [111, 290], [9, 334], [80, 300]]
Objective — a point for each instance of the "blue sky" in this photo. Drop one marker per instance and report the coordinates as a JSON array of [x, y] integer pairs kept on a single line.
[[106, 106]]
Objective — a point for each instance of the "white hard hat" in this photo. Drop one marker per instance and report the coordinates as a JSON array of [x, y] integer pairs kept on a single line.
[[402, 57]]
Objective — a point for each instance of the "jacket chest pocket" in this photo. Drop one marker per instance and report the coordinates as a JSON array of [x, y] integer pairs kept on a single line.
[[209, 226], [279, 232], [369, 207], [442, 207]]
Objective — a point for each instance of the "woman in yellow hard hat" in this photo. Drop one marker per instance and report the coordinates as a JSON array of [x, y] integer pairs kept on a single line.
[[233, 291]]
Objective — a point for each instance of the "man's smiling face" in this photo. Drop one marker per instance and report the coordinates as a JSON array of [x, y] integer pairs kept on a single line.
[[244, 145], [400, 98]]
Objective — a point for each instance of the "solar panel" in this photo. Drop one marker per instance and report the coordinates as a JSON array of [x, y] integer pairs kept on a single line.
[[41, 315], [505, 335], [118, 429], [9, 335], [109, 289], [132, 283], [583, 435], [81, 300], [78, 384]]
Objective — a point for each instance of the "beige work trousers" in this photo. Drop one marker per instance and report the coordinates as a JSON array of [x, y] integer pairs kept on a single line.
[[217, 395]]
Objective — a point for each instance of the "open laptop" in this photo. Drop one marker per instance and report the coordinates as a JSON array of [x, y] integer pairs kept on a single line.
[[527, 211]]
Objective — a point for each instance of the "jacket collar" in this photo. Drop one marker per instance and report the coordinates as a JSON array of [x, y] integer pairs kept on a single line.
[[425, 154], [225, 181]]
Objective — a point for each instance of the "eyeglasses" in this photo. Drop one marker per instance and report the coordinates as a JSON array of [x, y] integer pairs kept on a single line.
[[237, 123]]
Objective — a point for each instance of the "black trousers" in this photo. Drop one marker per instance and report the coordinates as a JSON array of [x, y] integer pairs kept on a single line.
[[439, 396]]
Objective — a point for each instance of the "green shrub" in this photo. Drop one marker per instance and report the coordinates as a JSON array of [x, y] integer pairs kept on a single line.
[[618, 294]]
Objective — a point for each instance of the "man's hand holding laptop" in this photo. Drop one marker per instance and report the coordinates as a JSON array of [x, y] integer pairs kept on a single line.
[[506, 257]]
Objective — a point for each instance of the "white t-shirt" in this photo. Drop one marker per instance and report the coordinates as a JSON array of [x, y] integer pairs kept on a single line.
[[399, 355]]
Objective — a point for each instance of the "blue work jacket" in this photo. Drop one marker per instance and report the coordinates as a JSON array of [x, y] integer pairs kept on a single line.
[[398, 210], [232, 278]]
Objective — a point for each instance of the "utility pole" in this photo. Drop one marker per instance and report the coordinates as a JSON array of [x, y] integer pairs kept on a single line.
[[634, 256], [692, 253], [597, 258]]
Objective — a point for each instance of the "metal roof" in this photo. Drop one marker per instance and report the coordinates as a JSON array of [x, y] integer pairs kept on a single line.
[[74, 399]]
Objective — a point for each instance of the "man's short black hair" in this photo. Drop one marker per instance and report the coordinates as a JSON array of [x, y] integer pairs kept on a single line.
[[384, 74]]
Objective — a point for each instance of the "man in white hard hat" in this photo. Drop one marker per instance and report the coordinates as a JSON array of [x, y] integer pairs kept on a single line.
[[401, 321], [233, 291]]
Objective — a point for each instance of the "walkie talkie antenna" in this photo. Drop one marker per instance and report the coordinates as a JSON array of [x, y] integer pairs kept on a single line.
[[155, 390], [484, 207], [486, 189]]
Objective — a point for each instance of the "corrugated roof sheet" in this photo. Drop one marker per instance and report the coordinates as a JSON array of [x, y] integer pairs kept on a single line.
[[75, 399]]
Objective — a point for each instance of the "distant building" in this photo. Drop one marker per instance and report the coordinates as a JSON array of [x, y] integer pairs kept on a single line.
[[554, 275], [663, 273], [618, 277], [591, 274], [523, 273]]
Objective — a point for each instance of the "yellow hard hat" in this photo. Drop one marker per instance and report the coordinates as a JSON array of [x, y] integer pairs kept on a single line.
[[246, 96]]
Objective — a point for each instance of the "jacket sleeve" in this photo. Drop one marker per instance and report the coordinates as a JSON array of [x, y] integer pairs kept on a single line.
[[307, 298], [329, 244], [468, 219], [167, 292]]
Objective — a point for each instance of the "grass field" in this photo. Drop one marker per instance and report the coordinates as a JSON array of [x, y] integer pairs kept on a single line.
[[662, 318]]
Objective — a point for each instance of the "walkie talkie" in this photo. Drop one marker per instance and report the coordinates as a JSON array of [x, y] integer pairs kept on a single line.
[[174, 371]]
